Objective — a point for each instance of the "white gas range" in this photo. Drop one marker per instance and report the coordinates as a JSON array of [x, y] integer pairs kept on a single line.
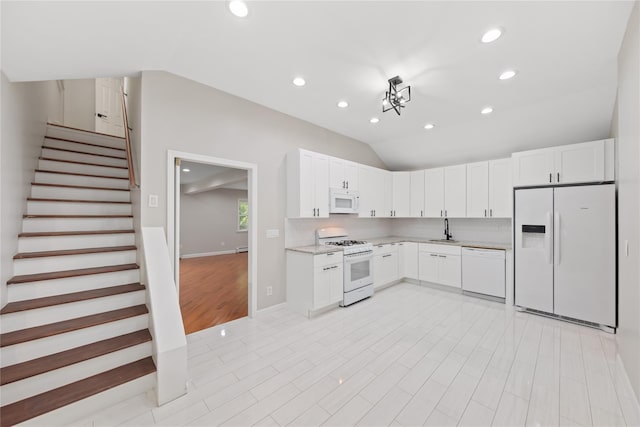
[[358, 263]]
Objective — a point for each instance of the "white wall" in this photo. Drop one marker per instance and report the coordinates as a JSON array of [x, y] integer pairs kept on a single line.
[[301, 232], [24, 118], [183, 115], [627, 136], [80, 103], [209, 222]]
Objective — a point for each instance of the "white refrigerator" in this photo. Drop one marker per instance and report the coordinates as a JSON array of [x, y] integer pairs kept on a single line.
[[565, 251]]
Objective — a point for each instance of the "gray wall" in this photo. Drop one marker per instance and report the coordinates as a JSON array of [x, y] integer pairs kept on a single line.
[[183, 115], [24, 117], [627, 131], [209, 222]]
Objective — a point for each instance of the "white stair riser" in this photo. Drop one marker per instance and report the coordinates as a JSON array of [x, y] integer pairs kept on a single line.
[[75, 224], [57, 313], [81, 157], [57, 378], [51, 243], [74, 146], [89, 181], [67, 208], [68, 414], [71, 262], [53, 165], [47, 288], [78, 135], [66, 193], [34, 349]]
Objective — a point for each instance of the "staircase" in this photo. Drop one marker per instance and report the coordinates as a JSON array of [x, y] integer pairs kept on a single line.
[[74, 334]]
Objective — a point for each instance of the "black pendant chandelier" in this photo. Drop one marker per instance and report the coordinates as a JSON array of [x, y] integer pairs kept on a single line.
[[396, 98]]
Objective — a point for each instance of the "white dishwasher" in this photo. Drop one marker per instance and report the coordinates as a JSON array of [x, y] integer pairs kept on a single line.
[[483, 271]]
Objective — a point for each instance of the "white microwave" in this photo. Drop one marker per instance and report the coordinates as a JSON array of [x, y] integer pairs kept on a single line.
[[343, 201]]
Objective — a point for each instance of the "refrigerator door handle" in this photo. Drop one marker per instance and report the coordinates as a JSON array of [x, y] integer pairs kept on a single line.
[[548, 238], [556, 238]]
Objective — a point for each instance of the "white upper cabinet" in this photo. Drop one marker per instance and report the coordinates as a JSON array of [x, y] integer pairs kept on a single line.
[[478, 190], [416, 198], [500, 189], [455, 191], [307, 185], [401, 194], [567, 164], [579, 163], [373, 198], [489, 189], [434, 192], [343, 174]]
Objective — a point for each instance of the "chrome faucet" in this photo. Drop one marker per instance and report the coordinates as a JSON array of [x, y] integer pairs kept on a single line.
[[446, 229]]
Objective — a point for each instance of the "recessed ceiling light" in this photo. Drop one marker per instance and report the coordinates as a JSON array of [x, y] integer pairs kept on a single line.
[[508, 74], [299, 81], [374, 120], [491, 35], [343, 104], [186, 170], [487, 110], [429, 126], [238, 8]]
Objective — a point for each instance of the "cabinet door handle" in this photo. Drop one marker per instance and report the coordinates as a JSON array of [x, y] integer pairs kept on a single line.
[[330, 253], [314, 211], [374, 212], [442, 256], [433, 254], [485, 212], [445, 212], [347, 185], [550, 177], [384, 256], [440, 212], [421, 214], [335, 266], [490, 212], [558, 176], [326, 268]]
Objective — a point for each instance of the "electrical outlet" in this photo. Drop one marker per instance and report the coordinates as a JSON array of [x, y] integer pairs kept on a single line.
[[269, 290], [153, 201]]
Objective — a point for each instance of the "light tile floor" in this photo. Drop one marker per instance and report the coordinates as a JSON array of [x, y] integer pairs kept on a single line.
[[409, 356]]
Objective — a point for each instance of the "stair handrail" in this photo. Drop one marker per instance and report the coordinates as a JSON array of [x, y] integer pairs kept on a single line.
[[127, 138]]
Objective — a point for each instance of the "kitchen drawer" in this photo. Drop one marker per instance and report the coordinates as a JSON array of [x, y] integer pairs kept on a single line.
[[440, 249], [385, 249], [327, 259]]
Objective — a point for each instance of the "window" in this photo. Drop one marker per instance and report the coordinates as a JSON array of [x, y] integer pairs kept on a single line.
[[243, 214]]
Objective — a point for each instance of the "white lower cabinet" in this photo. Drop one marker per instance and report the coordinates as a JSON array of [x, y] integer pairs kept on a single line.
[[385, 264], [440, 264], [314, 281], [408, 260]]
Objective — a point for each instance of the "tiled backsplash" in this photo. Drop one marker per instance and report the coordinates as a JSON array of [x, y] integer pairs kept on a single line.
[[301, 232]]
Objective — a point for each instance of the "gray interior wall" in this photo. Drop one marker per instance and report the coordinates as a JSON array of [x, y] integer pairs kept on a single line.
[[628, 145], [24, 118], [80, 103], [209, 222], [184, 115]]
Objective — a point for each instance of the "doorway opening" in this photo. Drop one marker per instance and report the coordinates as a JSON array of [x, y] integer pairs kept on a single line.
[[211, 232]]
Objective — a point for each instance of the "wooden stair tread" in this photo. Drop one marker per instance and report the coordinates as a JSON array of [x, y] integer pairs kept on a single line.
[[83, 130], [38, 199], [83, 143], [43, 184], [80, 174], [73, 233], [31, 304], [66, 150], [70, 273], [46, 402], [75, 216], [83, 251], [82, 163], [51, 329], [59, 360]]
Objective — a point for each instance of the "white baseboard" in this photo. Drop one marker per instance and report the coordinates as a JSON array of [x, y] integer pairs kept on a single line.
[[270, 309], [232, 251]]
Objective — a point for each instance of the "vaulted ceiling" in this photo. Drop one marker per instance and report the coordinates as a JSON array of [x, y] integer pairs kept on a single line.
[[565, 54]]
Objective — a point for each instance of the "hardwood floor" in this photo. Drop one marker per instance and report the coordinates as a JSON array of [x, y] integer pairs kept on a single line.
[[213, 290]]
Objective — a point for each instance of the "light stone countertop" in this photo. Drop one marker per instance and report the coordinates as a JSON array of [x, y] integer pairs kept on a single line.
[[316, 250]]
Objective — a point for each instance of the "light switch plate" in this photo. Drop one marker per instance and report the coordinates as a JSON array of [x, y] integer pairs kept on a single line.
[[273, 233], [153, 200]]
